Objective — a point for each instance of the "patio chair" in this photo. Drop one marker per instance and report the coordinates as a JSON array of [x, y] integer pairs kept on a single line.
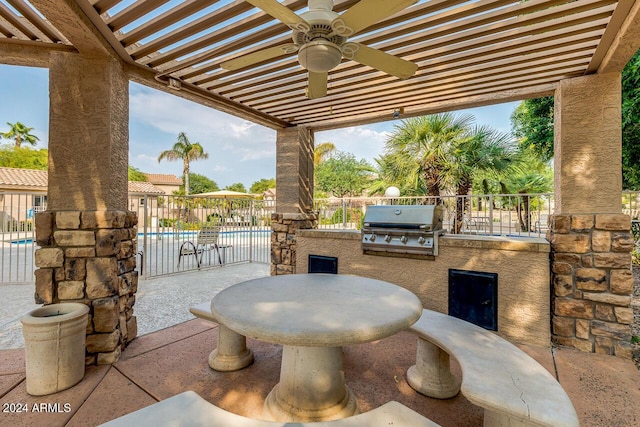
[[541, 225], [207, 241]]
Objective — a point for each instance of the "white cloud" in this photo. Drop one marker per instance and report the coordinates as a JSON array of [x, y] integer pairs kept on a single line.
[[239, 151], [362, 141]]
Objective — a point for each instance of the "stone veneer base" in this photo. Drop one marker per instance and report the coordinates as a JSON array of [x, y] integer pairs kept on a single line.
[[592, 282], [90, 257], [283, 239]]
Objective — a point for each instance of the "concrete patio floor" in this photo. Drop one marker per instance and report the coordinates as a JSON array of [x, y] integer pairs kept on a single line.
[[605, 390]]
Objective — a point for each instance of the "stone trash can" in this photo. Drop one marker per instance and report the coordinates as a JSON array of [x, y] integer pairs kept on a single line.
[[54, 337]]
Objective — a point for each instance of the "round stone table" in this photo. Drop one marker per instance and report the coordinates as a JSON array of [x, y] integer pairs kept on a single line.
[[313, 316]]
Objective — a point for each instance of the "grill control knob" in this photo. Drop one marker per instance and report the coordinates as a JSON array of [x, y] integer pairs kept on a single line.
[[403, 239], [421, 240], [387, 238], [372, 238]]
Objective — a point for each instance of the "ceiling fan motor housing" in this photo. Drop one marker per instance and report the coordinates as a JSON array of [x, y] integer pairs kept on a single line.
[[319, 56], [319, 48]]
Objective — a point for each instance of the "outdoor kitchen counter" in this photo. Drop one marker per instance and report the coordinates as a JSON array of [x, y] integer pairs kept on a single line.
[[522, 265], [528, 244]]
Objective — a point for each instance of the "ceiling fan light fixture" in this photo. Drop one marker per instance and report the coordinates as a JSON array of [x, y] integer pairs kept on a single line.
[[319, 56]]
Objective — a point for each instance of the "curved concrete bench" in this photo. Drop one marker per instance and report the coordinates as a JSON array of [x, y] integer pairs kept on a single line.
[[512, 387], [231, 353], [188, 409]]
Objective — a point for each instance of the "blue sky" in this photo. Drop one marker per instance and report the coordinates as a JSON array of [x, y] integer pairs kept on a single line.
[[239, 151]]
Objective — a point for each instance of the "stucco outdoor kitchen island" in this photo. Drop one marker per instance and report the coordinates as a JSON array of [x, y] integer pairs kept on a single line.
[[313, 316]]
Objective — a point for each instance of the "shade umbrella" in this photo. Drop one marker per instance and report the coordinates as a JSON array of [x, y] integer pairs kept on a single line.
[[225, 194]]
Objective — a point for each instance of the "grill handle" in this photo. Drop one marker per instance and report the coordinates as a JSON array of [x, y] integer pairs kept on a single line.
[[392, 225]]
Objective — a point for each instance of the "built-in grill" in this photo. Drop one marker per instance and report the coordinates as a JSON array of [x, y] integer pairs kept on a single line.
[[402, 229]]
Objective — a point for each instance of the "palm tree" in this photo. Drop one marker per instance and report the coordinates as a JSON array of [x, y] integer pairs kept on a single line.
[[322, 151], [419, 147], [530, 176], [184, 150], [20, 133], [481, 150], [393, 170]]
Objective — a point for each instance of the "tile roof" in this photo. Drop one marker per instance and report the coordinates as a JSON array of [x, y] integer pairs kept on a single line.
[[30, 179], [162, 178], [23, 179], [140, 187]]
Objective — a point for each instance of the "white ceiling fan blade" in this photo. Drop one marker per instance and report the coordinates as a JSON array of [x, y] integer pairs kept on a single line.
[[379, 60], [366, 13], [317, 85], [281, 13], [259, 56]]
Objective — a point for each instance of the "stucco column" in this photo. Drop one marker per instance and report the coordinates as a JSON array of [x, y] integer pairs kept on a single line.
[[294, 170], [590, 237], [294, 196], [88, 133], [87, 237]]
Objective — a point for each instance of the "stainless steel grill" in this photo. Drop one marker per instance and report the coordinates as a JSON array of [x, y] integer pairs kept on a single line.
[[402, 229]]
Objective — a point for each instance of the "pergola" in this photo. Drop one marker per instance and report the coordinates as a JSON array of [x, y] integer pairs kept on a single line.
[[469, 53]]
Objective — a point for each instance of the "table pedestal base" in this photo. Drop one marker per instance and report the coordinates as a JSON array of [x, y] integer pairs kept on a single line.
[[431, 375], [311, 387], [232, 352]]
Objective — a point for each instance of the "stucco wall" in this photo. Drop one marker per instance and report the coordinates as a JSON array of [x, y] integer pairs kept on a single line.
[[522, 266]]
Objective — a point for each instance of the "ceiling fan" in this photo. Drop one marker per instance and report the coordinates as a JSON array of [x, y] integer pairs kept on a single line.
[[320, 39]]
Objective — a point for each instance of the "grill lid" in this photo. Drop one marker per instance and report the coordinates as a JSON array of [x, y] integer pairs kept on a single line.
[[423, 217]]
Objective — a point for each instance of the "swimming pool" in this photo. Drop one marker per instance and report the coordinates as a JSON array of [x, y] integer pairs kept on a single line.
[[174, 234]]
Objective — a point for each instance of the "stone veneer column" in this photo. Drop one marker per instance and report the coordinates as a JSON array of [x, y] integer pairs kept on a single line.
[[590, 238], [90, 257], [283, 240], [87, 237], [592, 282], [294, 196]]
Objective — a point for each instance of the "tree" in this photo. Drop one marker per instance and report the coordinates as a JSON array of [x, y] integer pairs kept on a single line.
[[201, 184], [262, 185], [24, 158], [323, 151], [20, 133], [631, 124], [237, 186], [532, 124], [184, 150], [418, 149], [343, 175], [481, 149], [530, 176], [135, 174], [394, 170]]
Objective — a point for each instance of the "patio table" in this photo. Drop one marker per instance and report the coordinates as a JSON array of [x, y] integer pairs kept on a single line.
[[313, 316]]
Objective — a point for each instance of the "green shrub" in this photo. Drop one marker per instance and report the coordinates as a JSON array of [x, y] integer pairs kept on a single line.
[[167, 222], [184, 225], [214, 219]]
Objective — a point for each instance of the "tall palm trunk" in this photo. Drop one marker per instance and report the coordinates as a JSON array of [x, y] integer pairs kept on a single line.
[[432, 181], [524, 216], [185, 173]]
